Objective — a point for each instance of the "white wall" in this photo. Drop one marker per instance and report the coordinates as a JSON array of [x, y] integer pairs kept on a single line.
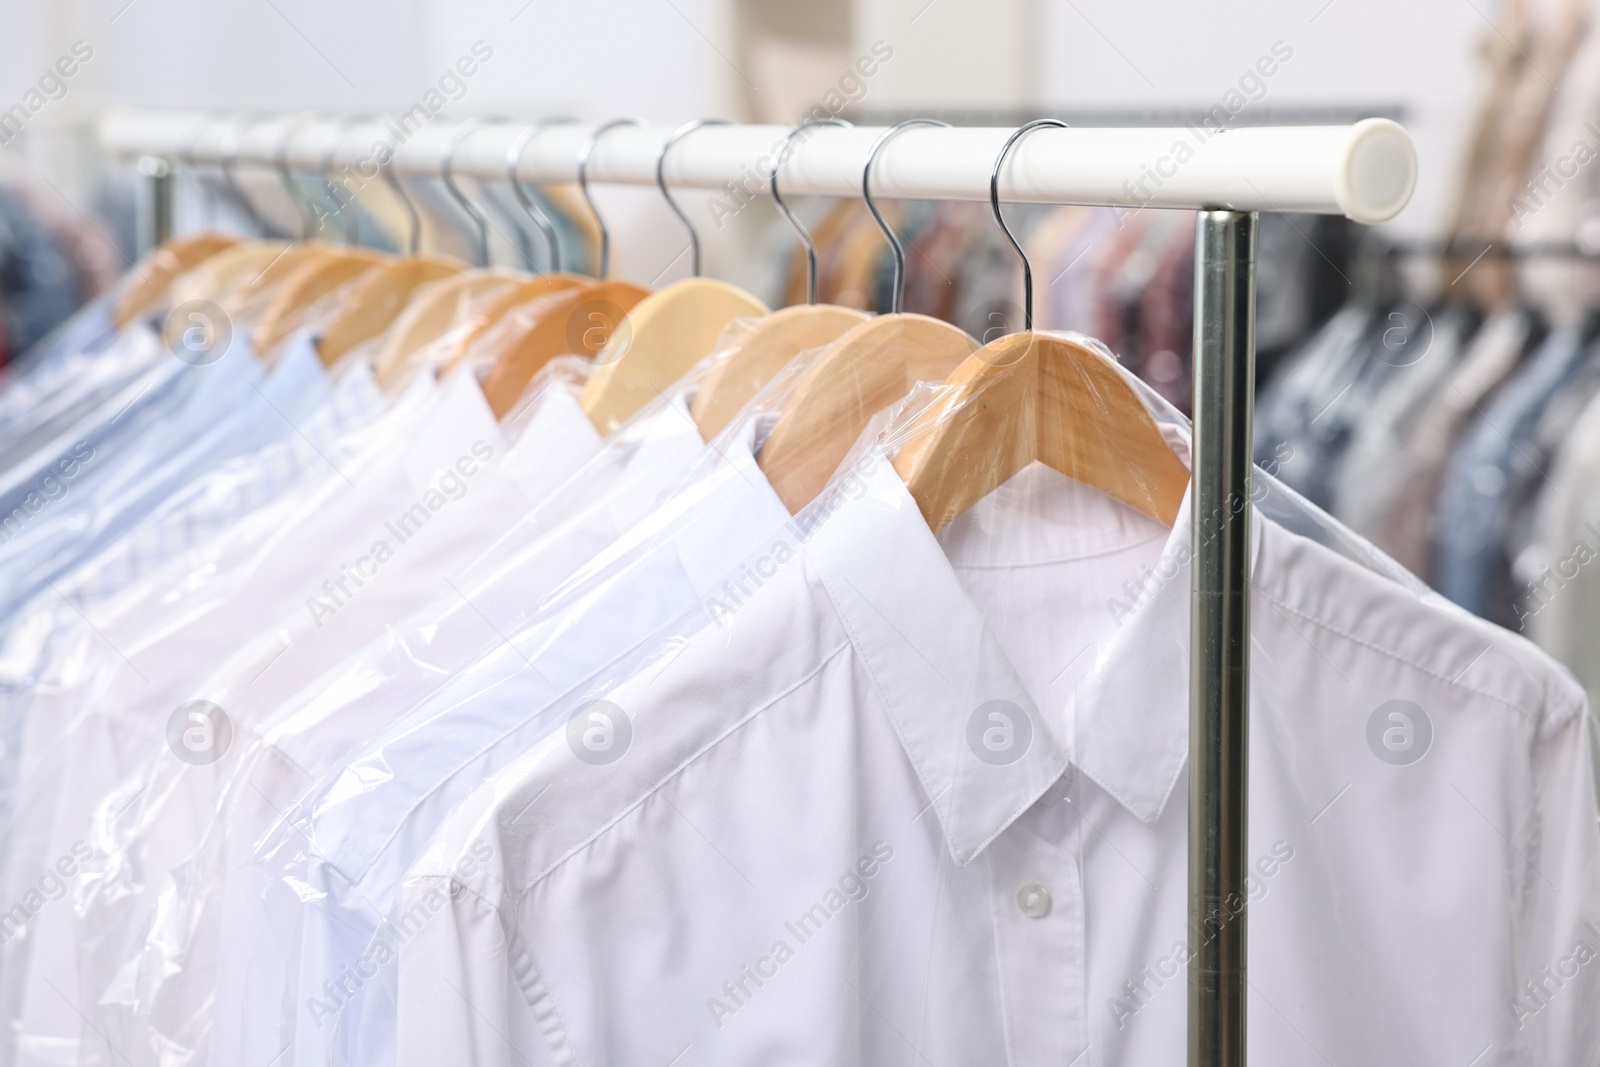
[[1418, 54], [1091, 54], [670, 60]]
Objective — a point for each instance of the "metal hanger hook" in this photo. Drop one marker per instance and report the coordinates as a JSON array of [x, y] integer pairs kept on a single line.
[[447, 162], [535, 212], [897, 295], [186, 157], [354, 122], [661, 182], [772, 181], [386, 169], [230, 161], [994, 205], [280, 157], [583, 186], [342, 126]]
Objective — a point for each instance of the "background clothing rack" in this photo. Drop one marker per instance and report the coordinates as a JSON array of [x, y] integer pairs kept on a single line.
[[1470, 248], [1365, 171]]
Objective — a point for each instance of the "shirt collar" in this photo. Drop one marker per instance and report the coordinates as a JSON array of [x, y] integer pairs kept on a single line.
[[944, 677], [940, 672]]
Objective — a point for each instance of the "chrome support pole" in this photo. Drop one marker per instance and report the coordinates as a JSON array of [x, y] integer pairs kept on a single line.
[[1219, 668], [155, 203]]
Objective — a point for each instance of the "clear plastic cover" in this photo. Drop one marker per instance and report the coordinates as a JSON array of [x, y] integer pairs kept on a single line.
[[414, 751], [135, 833], [200, 475], [80, 661], [826, 719], [621, 482]]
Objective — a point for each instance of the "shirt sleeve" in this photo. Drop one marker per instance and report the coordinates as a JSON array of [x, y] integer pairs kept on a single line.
[[1556, 983], [459, 999]]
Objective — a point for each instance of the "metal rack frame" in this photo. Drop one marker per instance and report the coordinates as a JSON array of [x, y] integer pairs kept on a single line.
[[1365, 171]]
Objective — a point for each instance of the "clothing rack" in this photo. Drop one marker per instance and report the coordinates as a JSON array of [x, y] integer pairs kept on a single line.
[[1465, 248], [1365, 171]]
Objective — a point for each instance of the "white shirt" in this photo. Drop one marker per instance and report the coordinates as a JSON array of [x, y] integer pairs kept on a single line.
[[302, 571], [814, 850], [211, 912], [52, 643], [150, 824], [353, 837]]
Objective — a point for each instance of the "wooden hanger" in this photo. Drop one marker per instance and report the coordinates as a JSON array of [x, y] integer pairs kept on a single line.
[[156, 273], [870, 367], [1028, 397], [309, 284], [575, 322], [866, 370], [667, 332], [664, 335], [756, 358], [249, 295], [492, 311], [216, 276], [526, 295], [1034, 397], [771, 343], [372, 305], [375, 303], [432, 310]]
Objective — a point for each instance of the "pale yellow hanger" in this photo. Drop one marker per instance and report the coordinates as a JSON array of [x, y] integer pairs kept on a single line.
[[312, 282], [756, 358], [1035, 397], [433, 309], [375, 303], [864, 371], [228, 269], [869, 368], [250, 294], [156, 272], [667, 332], [490, 314], [771, 343], [576, 322]]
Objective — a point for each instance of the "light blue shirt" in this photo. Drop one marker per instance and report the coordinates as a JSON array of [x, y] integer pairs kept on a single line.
[[231, 408]]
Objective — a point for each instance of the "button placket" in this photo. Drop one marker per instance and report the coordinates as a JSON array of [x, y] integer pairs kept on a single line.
[[1036, 893]]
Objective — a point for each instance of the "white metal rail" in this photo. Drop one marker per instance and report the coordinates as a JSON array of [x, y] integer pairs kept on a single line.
[[1365, 171]]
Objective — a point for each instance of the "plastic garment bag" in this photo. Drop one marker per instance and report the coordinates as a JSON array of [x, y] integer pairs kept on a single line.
[[579, 517], [914, 772]]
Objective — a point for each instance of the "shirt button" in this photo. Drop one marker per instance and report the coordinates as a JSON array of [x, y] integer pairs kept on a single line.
[[1034, 900]]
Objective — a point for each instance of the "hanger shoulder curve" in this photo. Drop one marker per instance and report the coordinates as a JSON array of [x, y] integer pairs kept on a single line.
[[160, 268], [218, 275], [309, 284], [247, 298], [376, 302], [761, 354], [659, 340], [870, 367], [573, 322], [1035, 397], [492, 312], [431, 311]]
